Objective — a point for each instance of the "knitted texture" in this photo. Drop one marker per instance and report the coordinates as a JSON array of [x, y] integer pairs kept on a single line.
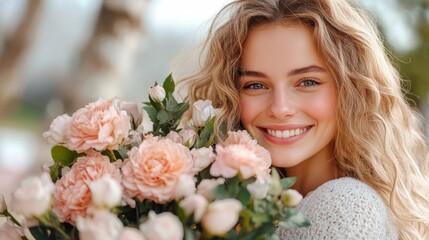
[[344, 208]]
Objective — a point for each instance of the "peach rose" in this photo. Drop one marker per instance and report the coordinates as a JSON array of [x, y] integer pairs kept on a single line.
[[72, 193], [100, 125], [153, 169], [239, 153]]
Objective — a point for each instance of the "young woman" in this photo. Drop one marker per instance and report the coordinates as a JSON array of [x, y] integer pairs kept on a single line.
[[310, 80]]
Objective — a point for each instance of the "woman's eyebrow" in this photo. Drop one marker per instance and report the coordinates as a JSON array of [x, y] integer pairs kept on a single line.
[[311, 68]]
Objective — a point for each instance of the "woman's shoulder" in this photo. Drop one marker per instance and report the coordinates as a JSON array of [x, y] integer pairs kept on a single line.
[[344, 208]]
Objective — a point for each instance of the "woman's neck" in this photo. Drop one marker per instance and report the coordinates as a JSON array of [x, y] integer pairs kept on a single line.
[[314, 172]]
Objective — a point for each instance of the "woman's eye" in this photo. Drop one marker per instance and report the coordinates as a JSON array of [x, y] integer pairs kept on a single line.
[[308, 83], [254, 86]]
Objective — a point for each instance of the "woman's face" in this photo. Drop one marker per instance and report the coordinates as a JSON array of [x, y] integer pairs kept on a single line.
[[287, 96]]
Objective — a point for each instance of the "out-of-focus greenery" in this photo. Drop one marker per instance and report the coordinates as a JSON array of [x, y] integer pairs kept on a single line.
[[414, 65]]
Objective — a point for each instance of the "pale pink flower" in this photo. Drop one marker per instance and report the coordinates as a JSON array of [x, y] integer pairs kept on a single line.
[[106, 192], [194, 204], [72, 194], [185, 186], [221, 216], [206, 187], [130, 233], [202, 157], [99, 225], [157, 93], [239, 153], [188, 137], [58, 127], [203, 111], [33, 196], [175, 137], [164, 226], [293, 197], [9, 231], [134, 111], [100, 125], [153, 169]]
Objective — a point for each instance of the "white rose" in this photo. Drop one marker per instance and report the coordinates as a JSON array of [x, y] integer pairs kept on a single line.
[[58, 127], [221, 216], [202, 111], [157, 93], [164, 226], [99, 225], [106, 192], [202, 158], [188, 137], [131, 234], [9, 231], [33, 196], [185, 186], [259, 189], [206, 187], [194, 204], [134, 111], [293, 197], [3, 206]]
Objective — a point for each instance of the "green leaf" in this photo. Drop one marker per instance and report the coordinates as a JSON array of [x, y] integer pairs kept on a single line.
[[189, 234], [293, 218], [40, 232], [206, 136], [244, 196], [171, 105], [152, 112], [287, 182], [169, 85], [164, 116], [63, 155], [54, 171], [221, 192]]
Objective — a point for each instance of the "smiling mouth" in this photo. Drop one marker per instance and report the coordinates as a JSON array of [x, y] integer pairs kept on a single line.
[[287, 133]]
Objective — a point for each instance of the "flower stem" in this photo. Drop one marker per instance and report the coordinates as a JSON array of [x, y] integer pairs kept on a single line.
[[111, 155], [56, 227], [11, 217]]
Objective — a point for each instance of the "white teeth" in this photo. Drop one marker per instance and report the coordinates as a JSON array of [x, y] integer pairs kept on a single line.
[[286, 133]]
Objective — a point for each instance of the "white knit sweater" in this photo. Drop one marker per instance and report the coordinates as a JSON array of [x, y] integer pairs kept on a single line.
[[344, 208]]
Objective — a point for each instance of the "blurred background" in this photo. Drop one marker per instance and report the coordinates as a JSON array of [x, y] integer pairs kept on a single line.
[[58, 55]]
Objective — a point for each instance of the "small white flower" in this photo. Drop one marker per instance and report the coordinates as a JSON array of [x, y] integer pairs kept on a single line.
[[33, 196], [185, 186], [134, 111], [221, 216], [57, 129], [99, 225], [106, 192], [8, 231], [259, 189], [203, 111], [157, 93], [130, 233], [293, 197], [164, 226], [188, 136], [196, 204], [206, 187]]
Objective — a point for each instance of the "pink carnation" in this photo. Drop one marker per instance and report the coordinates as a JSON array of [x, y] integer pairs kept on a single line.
[[241, 154], [72, 194], [153, 169], [100, 125]]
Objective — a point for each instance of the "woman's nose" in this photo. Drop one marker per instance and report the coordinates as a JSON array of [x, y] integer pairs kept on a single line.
[[282, 105]]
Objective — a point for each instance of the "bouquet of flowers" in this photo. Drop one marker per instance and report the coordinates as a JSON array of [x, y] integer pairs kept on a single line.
[[113, 179]]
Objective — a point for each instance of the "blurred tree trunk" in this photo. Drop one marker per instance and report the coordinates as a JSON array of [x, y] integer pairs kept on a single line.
[[14, 50], [108, 55]]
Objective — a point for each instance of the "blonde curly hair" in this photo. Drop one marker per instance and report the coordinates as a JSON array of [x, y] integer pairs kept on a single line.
[[380, 137]]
